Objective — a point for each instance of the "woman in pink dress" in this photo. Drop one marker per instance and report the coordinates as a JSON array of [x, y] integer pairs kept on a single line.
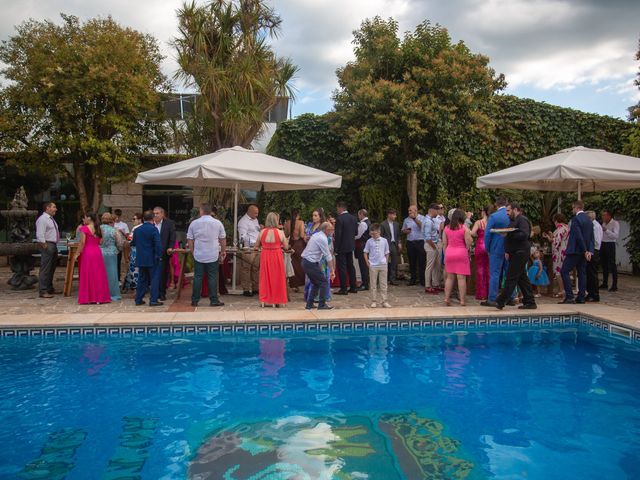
[[456, 240], [481, 256], [94, 286], [559, 240], [273, 282]]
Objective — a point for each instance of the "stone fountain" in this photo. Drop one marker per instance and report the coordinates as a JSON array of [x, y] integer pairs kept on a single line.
[[20, 248]]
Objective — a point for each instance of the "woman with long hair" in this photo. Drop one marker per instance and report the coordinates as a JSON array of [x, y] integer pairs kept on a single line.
[[294, 229], [273, 282], [456, 240], [481, 255], [94, 286], [110, 255]]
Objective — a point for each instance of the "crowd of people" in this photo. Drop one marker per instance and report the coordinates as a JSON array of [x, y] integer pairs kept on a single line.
[[277, 257]]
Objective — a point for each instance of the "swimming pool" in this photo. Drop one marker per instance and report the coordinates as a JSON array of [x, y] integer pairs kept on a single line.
[[535, 403]]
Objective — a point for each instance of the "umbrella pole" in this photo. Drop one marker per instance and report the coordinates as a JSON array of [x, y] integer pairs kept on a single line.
[[579, 190], [235, 240]]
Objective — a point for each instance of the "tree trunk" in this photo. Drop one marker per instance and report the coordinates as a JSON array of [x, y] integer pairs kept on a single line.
[[78, 180], [412, 187], [96, 195]]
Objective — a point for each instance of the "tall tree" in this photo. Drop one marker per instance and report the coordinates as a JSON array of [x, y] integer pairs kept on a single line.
[[404, 104], [82, 99], [223, 52]]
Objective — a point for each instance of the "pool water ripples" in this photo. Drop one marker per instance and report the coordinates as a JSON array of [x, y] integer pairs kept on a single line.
[[464, 405]]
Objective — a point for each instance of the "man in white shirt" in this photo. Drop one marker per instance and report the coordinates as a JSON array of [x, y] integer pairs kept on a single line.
[[248, 231], [610, 235], [317, 249], [123, 228], [593, 292], [412, 226], [207, 240], [376, 253], [47, 235]]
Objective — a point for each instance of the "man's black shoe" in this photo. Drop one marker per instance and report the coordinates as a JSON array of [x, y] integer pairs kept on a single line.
[[247, 293], [308, 306], [511, 303], [488, 303], [613, 289], [567, 301], [325, 307], [603, 286], [155, 304], [353, 290], [194, 304], [138, 304], [411, 284], [499, 306], [592, 300], [162, 299], [363, 287], [394, 283], [528, 306], [341, 292], [216, 304], [580, 300]]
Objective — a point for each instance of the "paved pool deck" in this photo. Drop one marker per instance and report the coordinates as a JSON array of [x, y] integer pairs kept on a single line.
[[27, 309]]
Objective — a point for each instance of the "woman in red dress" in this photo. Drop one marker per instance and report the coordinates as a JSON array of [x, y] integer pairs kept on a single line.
[[273, 282], [94, 286]]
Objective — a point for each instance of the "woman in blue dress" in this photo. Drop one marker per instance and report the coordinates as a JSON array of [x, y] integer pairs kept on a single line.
[[110, 255], [312, 228]]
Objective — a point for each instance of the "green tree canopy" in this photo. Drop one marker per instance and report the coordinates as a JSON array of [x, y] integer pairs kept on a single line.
[[223, 52], [82, 99], [404, 106]]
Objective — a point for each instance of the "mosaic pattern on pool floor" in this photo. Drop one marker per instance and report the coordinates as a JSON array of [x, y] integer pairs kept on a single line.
[[391, 447]]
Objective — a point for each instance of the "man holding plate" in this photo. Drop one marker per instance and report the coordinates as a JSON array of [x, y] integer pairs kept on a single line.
[[517, 250]]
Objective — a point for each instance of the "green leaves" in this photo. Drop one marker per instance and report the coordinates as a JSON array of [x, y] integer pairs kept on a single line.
[[81, 97]]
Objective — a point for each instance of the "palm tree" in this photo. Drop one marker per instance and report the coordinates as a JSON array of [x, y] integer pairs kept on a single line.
[[222, 51], [286, 72]]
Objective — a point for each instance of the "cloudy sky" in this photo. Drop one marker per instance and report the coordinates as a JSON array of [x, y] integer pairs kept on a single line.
[[574, 53]]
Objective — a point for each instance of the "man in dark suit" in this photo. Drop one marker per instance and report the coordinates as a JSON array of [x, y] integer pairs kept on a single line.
[[517, 250], [167, 229], [345, 244], [146, 239], [579, 251], [362, 235], [390, 230]]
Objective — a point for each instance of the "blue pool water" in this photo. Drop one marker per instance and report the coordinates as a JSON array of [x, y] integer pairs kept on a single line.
[[534, 404]]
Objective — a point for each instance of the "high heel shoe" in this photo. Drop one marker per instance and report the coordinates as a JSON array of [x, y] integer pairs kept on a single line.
[[447, 302]]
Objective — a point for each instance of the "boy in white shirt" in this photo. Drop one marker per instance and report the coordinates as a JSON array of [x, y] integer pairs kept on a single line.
[[376, 254]]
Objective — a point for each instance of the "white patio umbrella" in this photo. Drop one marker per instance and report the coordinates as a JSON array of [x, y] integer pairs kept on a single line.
[[576, 169], [239, 168]]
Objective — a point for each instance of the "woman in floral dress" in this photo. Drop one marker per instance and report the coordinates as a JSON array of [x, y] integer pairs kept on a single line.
[[558, 240]]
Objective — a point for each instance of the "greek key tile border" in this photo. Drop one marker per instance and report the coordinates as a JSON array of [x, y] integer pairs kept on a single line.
[[323, 327]]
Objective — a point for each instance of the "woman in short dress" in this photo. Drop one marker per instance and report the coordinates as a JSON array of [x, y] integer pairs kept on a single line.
[[93, 285], [110, 255], [131, 278], [559, 240], [456, 240]]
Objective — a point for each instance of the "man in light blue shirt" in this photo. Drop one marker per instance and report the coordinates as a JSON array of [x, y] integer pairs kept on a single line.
[[433, 250], [318, 248], [412, 226]]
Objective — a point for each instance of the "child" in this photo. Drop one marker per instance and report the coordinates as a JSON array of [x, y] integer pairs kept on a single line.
[[537, 274], [376, 254]]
